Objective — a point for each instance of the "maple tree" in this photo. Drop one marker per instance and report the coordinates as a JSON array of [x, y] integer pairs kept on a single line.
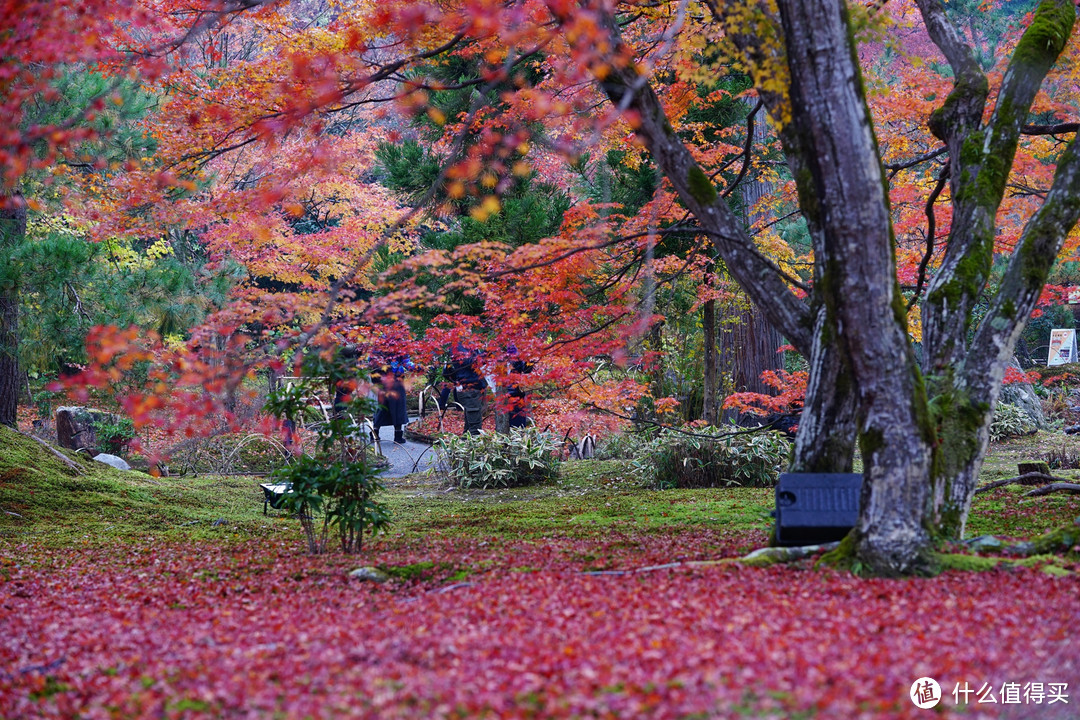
[[66, 82], [920, 459], [270, 152]]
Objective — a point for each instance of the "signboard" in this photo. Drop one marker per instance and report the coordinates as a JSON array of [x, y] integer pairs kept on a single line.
[[1062, 347]]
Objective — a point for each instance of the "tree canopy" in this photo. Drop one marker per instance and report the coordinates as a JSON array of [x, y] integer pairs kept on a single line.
[[561, 178]]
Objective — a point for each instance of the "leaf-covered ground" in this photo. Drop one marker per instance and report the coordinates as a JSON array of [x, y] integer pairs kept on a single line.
[[505, 629], [181, 600]]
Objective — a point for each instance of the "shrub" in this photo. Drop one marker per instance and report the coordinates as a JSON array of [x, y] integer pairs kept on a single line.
[[1062, 458], [113, 436], [624, 446], [712, 457], [1010, 421], [228, 453], [337, 480], [525, 456]]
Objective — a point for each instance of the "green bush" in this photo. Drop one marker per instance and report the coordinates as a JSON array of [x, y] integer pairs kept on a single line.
[[493, 460], [337, 479], [1010, 421], [711, 457], [113, 436], [624, 446]]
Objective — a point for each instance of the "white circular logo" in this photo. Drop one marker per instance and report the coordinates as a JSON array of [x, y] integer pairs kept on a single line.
[[925, 692]]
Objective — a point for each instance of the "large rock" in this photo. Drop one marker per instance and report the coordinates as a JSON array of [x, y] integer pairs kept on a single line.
[[75, 427], [1023, 396], [117, 462]]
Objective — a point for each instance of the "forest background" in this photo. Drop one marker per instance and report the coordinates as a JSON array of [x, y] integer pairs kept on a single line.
[[193, 193]]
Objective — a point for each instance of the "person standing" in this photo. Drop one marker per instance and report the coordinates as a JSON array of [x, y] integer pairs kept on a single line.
[[392, 410], [468, 385], [519, 416]]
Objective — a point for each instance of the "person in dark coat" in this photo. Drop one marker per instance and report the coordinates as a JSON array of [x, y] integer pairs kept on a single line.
[[392, 410], [519, 417], [468, 386]]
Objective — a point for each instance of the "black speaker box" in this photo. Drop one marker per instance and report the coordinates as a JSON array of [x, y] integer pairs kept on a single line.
[[816, 508]]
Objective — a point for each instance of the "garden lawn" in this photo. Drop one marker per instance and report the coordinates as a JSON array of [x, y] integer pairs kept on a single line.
[[182, 600]]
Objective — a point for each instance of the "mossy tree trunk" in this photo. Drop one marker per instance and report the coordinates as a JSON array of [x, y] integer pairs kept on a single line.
[[857, 283], [921, 458], [12, 232], [966, 379]]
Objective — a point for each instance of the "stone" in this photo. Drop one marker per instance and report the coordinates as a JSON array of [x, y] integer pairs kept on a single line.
[[1023, 396], [75, 426], [369, 573], [117, 462]]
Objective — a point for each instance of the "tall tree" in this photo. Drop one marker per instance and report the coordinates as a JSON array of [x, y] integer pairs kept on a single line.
[[12, 232], [858, 338]]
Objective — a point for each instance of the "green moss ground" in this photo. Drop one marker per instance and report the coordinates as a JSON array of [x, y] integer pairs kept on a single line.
[[43, 501]]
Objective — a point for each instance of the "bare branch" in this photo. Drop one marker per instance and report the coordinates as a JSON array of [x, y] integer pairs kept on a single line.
[[931, 223], [1059, 129], [898, 166]]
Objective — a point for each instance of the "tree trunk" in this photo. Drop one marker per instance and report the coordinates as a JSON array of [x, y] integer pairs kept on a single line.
[[502, 409], [860, 290], [825, 441], [966, 378], [748, 346], [754, 339], [12, 232], [712, 372]]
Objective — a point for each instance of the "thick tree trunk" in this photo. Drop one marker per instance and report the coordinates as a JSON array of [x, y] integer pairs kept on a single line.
[[967, 378], [753, 340], [748, 346], [12, 232], [830, 114], [825, 441], [968, 407]]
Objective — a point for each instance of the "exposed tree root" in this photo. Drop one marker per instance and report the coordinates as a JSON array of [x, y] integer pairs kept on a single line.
[[775, 555], [1042, 552], [763, 557], [1031, 478], [63, 458], [1069, 487]]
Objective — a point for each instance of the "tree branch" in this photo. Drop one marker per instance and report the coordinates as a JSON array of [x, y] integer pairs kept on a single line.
[[763, 280], [931, 223], [1035, 254], [746, 150], [898, 166], [962, 109], [1059, 129]]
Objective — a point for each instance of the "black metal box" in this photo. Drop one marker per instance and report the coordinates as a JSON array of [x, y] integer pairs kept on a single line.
[[815, 508]]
